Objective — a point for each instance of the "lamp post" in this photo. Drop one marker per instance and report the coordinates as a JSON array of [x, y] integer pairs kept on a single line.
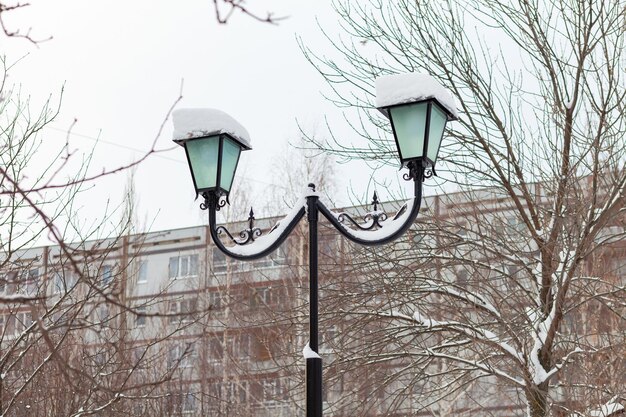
[[418, 108]]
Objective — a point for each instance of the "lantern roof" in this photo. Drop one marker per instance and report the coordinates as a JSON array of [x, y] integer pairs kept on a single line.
[[397, 89], [197, 123]]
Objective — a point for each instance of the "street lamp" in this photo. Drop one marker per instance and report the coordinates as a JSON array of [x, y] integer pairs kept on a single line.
[[213, 142], [418, 108]]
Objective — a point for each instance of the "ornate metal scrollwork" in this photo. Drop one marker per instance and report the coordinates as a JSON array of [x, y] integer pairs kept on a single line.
[[419, 170], [245, 236], [371, 220], [214, 199]]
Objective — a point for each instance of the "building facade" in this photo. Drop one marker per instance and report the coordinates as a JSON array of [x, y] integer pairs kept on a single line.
[[162, 323]]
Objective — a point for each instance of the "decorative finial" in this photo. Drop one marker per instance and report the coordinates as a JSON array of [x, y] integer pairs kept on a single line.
[[375, 201], [251, 218]]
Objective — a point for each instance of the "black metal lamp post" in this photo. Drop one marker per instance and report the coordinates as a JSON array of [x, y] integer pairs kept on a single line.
[[213, 153]]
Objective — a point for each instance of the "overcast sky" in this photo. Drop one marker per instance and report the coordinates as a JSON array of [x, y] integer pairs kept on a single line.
[[122, 64]]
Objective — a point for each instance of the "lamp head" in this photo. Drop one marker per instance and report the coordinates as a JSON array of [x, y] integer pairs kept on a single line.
[[418, 108], [213, 142]]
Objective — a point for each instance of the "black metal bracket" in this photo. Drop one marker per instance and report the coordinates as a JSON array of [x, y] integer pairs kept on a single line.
[[215, 199], [371, 220], [245, 236], [213, 203], [419, 169]]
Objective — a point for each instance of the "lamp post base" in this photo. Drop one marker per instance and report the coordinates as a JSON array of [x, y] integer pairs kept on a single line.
[[314, 387]]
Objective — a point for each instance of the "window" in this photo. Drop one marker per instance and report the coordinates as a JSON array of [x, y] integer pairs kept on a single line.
[[9, 324], [63, 281], [513, 271], [462, 277], [182, 311], [515, 224], [273, 390], [183, 355], [102, 313], [220, 262], [183, 266], [100, 359], [32, 281], [418, 237], [234, 392], [276, 258], [215, 300], [25, 319], [462, 230], [142, 273], [189, 355], [14, 324], [189, 403], [329, 337], [7, 282], [239, 345], [215, 349], [140, 319], [261, 296], [138, 354], [106, 275], [59, 283]]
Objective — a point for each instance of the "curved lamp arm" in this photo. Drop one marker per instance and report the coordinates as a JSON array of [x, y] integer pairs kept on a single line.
[[251, 244], [377, 230], [387, 229]]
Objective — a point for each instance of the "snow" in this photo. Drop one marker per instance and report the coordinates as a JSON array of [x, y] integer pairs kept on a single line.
[[196, 123], [536, 369], [482, 334], [389, 226], [310, 353], [470, 298], [412, 86], [264, 242], [607, 409]]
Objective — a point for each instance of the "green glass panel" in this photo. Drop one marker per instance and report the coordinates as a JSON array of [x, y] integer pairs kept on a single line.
[[409, 123], [202, 154], [438, 119], [230, 156]]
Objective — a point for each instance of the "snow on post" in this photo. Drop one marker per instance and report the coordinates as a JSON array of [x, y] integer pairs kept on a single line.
[[197, 123], [310, 353], [411, 87]]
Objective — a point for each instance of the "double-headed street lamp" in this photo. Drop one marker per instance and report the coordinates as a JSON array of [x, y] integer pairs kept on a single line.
[[418, 108]]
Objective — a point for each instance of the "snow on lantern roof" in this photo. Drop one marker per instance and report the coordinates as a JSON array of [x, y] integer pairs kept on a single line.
[[197, 123], [405, 88]]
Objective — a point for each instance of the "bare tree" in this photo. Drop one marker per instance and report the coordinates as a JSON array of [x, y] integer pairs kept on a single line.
[[515, 283], [67, 343], [224, 9]]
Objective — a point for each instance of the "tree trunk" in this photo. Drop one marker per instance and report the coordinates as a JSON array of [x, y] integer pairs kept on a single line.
[[537, 397]]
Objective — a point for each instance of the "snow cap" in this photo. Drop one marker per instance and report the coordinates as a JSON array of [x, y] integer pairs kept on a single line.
[[410, 87], [310, 353], [197, 123]]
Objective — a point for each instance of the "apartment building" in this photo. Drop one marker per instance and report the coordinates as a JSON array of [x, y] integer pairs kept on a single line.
[[162, 323]]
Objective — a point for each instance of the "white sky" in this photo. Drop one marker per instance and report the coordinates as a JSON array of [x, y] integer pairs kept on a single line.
[[122, 63]]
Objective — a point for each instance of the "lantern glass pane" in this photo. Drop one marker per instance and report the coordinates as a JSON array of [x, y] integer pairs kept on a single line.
[[230, 157], [409, 123], [203, 154], [438, 119]]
